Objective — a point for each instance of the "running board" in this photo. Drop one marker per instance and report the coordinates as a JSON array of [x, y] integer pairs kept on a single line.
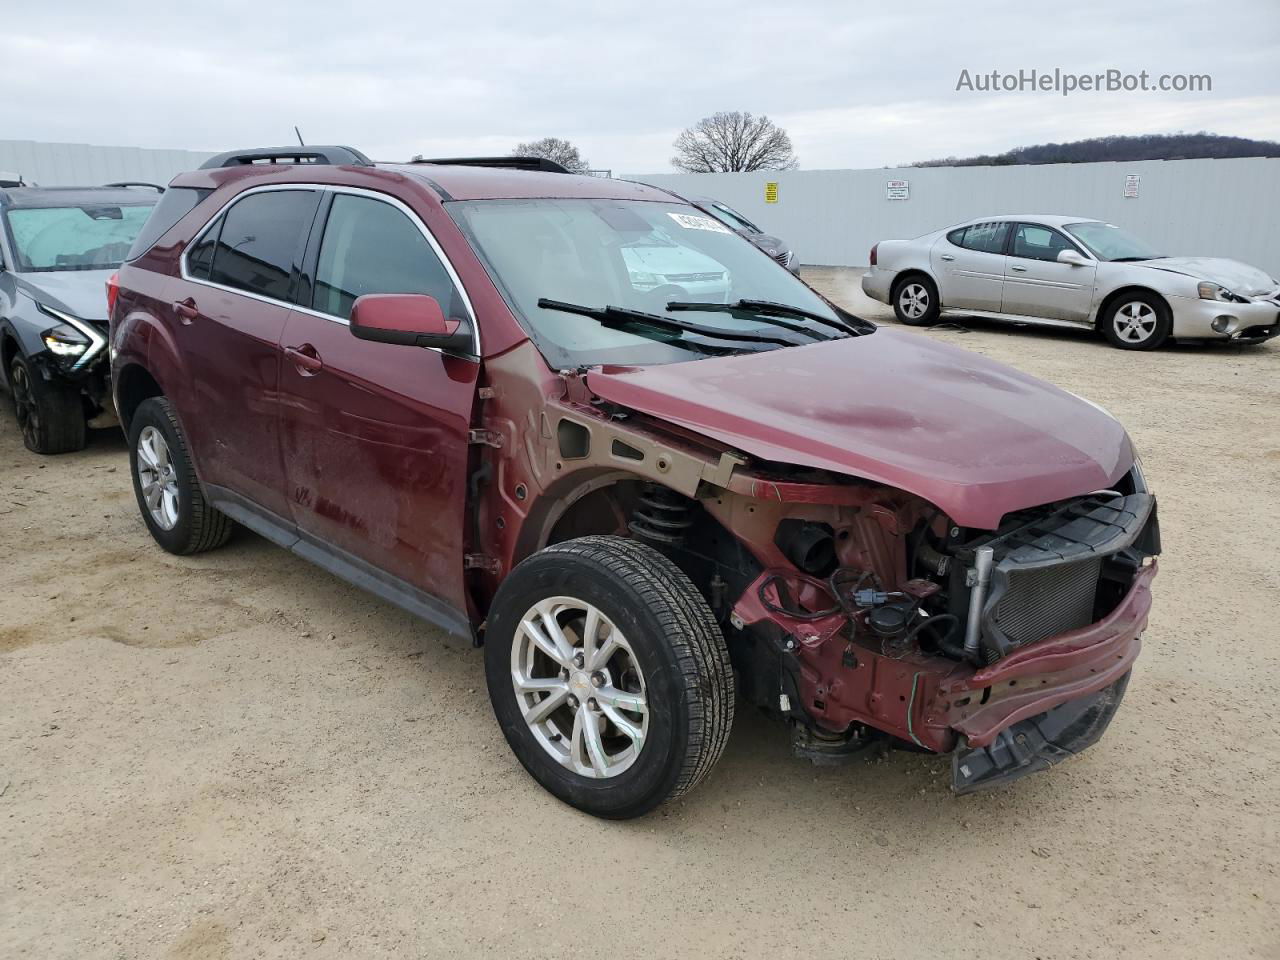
[[346, 566]]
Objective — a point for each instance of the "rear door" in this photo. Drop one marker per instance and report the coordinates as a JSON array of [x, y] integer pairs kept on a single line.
[[969, 265], [375, 435], [230, 308], [1036, 285]]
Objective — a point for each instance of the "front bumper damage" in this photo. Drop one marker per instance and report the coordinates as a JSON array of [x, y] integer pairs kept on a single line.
[[1037, 742]]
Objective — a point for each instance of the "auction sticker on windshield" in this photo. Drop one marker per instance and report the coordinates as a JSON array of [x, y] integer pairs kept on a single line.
[[692, 222]]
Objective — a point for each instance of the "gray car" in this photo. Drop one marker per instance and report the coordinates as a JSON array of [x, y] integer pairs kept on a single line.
[[1073, 272], [731, 218], [58, 248]]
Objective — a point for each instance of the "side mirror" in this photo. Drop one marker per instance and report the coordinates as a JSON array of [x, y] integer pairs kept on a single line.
[[409, 319], [1073, 257]]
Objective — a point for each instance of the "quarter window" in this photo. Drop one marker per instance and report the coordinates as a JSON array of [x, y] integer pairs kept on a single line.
[[371, 247], [259, 241], [982, 237]]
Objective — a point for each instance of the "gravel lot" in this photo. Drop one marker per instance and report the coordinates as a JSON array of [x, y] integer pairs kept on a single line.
[[237, 755]]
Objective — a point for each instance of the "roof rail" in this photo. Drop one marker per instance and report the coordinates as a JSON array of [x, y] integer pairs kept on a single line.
[[332, 156], [517, 163], [136, 183]]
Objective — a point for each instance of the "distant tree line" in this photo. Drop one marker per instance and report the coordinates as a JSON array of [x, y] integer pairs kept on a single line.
[[1156, 146]]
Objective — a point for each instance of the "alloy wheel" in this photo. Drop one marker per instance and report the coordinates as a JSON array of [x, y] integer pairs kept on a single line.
[[1135, 322], [24, 403], [914, 300], [158, 478], [579, 687]]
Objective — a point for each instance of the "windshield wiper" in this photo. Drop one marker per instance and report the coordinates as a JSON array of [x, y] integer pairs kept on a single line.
[[623, 318], [767, 307]]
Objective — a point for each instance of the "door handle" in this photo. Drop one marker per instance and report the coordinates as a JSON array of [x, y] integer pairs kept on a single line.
[[186, 310], [1018, 269], [946, 256], [306, 359]]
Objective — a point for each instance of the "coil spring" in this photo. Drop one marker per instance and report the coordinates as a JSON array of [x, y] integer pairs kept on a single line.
[[662, 516]]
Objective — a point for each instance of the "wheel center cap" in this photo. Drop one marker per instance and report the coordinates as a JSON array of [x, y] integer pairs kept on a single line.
[[581, 682]]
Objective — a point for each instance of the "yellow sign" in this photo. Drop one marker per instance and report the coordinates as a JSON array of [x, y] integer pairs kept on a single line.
[[771, 192]]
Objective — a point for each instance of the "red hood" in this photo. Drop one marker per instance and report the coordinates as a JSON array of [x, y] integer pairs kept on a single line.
[[972, 436]]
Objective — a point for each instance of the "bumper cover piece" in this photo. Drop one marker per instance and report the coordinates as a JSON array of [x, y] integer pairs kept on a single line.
[[1037, 742]]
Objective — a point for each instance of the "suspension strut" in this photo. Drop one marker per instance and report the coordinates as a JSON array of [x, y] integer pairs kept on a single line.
[[662, 516]]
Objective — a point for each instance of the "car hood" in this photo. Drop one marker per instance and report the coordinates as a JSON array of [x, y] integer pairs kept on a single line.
[[1235, 276], [81, 293], [972, 436]]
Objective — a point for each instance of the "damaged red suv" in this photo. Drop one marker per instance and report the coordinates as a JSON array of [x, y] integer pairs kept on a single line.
[[593, 429]]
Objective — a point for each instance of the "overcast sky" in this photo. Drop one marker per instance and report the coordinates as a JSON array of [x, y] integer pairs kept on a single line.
[[856, 85]]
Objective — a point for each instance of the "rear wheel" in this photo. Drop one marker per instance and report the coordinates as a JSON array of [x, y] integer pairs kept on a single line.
[[608, 675], [50, 413], [915, 301], [164, 482], [1136, 321]]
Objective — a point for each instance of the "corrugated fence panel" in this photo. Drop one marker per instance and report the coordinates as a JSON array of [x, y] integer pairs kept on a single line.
[[1215, 208], [81, 164]]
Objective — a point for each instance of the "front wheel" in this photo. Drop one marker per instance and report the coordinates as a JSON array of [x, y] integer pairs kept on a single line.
[[50, 413], [915, 301], [608, 675], [1136, 321]]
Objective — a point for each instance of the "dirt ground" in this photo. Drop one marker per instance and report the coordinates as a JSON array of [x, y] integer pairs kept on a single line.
[[239, 756]]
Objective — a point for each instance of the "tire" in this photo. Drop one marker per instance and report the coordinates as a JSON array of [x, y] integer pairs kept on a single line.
[[1136, 321], [915, 301], [180, 519], [670, 656], [50, 413]]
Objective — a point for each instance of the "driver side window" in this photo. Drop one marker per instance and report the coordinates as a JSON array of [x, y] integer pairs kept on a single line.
[[1034, 242], [371, 247]]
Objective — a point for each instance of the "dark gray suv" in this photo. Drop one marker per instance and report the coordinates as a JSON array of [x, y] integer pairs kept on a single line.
[[58, 249]]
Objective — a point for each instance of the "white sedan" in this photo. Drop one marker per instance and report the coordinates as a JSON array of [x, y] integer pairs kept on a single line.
[[1075, 272]]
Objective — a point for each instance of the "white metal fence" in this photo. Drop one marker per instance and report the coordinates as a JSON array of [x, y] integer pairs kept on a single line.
[[80, 164], [1212, 208]]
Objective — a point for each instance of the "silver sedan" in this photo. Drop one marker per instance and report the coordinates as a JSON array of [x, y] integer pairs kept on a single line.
[[1075, 272]]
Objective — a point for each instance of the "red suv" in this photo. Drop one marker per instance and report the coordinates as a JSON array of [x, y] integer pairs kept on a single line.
[[593, 428]]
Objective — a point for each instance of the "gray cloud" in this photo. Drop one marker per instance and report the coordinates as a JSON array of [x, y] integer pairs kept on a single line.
[[855, 85]]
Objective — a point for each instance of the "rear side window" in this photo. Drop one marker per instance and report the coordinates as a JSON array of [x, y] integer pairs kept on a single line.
[[259, 241], [175, 204], [371, 247], [982, 237]]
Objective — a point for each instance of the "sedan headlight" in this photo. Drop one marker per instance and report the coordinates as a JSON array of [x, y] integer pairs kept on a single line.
[[1209, 290], [73, 340], [642, 279]]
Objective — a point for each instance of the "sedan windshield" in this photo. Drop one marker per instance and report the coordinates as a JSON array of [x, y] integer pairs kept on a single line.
[[1111, 243], [86, 237], [638, 256]]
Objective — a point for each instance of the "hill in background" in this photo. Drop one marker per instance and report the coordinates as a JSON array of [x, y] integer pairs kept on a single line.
[[1159, 146]]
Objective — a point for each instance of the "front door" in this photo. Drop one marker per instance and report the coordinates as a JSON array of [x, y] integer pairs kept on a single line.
[[229, 310], [969, 265], [375, 435], [1037, 285]]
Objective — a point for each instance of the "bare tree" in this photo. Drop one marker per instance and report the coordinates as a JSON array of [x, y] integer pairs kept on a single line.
[[553, 148], [733, 142]]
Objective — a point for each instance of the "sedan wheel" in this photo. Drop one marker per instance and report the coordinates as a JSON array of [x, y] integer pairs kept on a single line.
[[1137, 322], [915, 301]]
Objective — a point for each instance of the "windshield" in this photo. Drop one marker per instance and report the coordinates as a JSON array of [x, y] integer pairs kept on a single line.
[[730, 217], [84, 237], [631, 254], [1111, 243]]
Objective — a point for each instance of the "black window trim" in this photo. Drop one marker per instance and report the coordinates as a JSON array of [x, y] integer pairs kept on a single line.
[[314, 236], [1015, 224]]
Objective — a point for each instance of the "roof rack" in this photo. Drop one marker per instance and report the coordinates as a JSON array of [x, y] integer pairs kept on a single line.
[[331, 156], [518, 163]]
